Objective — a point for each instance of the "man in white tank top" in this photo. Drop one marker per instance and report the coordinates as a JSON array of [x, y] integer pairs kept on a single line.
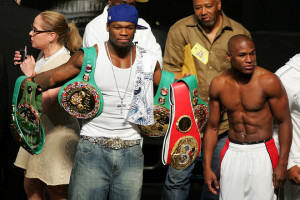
[[109, 159], [95, 32]]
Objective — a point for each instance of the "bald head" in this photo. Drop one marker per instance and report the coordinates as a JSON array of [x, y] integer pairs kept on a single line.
[[237, 39], [241, 54]]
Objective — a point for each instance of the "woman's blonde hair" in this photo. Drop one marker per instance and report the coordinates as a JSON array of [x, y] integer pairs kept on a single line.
[[66, 33]]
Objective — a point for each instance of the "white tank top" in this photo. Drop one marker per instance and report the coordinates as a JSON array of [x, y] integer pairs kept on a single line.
[[111, 123]]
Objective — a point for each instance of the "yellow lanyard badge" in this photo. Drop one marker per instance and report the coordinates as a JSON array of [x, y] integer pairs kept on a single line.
[[200, 53]]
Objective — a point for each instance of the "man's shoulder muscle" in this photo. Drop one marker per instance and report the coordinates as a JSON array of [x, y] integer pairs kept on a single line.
[[218, 82], [269, 81]]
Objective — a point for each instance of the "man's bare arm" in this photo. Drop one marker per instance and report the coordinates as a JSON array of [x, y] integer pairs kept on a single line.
[[211, 138], [58, 76], [278, 102], [157, 74]]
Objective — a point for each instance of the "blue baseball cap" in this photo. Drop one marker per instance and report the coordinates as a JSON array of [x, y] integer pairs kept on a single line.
[[124, 13]]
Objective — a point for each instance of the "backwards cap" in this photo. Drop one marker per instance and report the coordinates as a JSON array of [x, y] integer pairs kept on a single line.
[[124, 13]]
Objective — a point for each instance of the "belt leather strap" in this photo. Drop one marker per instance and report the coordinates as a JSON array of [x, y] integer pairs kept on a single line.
[[26, 125], [200, 108], [182, 142], [81, 97], [161, 108]]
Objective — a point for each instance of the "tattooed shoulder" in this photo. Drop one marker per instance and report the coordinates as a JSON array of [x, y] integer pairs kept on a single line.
[[77, 59]]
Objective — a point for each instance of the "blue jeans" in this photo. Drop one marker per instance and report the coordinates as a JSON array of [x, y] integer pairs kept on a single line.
[[99, 172], [177, 183]]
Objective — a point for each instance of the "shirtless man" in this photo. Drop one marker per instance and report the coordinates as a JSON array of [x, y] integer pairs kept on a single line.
[[250, 166]]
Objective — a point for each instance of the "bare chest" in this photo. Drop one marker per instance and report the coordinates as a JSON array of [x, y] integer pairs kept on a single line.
[[246, 98]]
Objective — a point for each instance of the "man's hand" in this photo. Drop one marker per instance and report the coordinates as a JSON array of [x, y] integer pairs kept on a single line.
[[294, 175], [29, 79], [209, 178], [279, 176], [186, 74]]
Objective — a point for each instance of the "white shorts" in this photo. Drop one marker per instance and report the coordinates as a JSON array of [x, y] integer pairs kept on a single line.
[[246, 171]]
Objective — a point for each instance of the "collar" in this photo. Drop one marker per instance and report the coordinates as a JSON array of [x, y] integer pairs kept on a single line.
[[295, 62]]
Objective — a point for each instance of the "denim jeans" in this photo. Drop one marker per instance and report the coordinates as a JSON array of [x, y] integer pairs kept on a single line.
[[101, 173], [177, 183]]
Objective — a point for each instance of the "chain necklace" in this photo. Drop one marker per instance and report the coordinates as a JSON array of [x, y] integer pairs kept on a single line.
[[112, 68], [46, 59]]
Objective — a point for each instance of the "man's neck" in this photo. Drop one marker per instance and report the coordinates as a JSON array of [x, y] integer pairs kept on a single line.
[[120, 52], [241, 78], [211, 32]]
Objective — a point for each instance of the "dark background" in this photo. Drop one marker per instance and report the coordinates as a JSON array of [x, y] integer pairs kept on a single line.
[[274, 24]]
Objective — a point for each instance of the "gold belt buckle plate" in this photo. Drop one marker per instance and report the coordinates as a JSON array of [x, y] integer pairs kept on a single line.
[[184, 152], [161, 123], [81, 100]]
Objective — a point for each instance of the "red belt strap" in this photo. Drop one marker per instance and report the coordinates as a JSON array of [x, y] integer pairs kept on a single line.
[[182, 143]]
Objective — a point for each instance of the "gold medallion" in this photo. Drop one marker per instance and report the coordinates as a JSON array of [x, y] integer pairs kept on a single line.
[[184, 152], [162, 100], [201, 115], [86, 77], [184, 124], [195, 101], [195, 92], [161, 123], [164, 91], [80, 100]]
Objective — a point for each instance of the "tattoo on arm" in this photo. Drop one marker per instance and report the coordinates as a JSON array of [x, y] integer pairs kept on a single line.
[[57, 76]]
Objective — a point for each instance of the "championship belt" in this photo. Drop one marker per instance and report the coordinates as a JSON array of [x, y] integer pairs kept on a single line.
[[81, 97], [189, 114], [161, 108], [26, 126]]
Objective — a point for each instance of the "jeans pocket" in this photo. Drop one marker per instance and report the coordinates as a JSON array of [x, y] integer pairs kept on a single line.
[[85, 146], [137, 151]]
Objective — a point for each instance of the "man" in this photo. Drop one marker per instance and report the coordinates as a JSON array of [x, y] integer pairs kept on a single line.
[[289, 75], [203, 36], [250, 167], [109, 158], [15, 22], [96, 33]]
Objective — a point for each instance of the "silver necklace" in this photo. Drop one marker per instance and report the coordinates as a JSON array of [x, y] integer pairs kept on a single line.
[[46, 59], [112, 68]]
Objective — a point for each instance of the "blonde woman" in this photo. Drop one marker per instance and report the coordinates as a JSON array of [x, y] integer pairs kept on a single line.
[[50, 169]]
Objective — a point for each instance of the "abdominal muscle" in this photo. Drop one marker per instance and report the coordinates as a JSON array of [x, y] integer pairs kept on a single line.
[[250, 126]]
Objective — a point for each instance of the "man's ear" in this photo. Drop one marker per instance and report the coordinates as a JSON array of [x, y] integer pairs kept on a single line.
[[107, 27], [228, 56], [109, 3]]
